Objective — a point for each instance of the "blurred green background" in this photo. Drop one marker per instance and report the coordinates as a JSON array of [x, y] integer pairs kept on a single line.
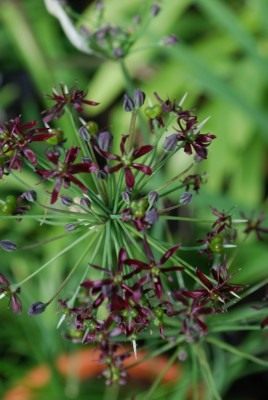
[[221, 61]]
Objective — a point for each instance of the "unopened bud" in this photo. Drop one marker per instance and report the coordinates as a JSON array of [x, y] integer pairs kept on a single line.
[[37, 308], [7, 245]]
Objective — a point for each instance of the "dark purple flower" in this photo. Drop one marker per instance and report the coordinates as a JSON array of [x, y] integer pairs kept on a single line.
[[73, 97], [64, 172], [127, 161], [223, 221], [14, 301], [255, 225], [15, 138], [193, 182], [154, 268], [219, 291]]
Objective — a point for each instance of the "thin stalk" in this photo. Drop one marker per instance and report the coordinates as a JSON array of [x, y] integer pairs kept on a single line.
[[161, 375], [68, 277], [65, 250], [236, 351], [205, 368], [94, 253], [118, 192], [44, 242]]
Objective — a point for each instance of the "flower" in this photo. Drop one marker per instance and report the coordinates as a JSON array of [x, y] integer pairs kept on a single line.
[[153, 267], [5, 289], [64, 172], [255, 225], [219, 291], [73, 97], [15, 138], [126, 161]]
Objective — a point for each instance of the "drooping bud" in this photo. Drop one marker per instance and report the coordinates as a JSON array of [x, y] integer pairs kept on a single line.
[[152, 198], [170, 142], [37, 308], [85, 202], [7, 245], [170, 40], [70, 227], [128, 103], [15, 304], [185, 198], [30, 196], [83, 132], [66, 201], [139, 98], [104, 140], [151, 216], [118, 52], [155, 10], [126, 197]]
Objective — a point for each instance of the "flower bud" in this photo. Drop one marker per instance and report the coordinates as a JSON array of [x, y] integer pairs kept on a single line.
[[128, 103], [155, 10], [126, 197], [30, 196], [118, 52], [66, 201], [7, 245], [15, 304], [85, 202], [170, 40], [185, 198], [83, 132], [151, 216], [152, 198], [104, 140], [70, 227], [139, 98], [170, 142], [37, 308]]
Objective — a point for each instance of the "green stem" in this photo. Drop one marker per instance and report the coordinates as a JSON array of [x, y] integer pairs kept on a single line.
[[205, 368], [68, 277], [161, 375], [17, 285]]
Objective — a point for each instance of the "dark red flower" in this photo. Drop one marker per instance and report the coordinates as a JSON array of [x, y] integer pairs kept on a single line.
[[126, 161], [64, 172], [14, 301], [223, 221], [15, 138], [153, 267], [219, 290], [73, 97], [255, 225]]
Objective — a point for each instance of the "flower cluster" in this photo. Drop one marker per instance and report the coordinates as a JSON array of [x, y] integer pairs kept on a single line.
[[104, 197]]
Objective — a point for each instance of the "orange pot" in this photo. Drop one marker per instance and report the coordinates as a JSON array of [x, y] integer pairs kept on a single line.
[[85, 365]]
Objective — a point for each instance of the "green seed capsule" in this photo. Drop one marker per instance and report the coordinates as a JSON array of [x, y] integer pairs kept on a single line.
[[92, 127], [216, 244], [57, 138], [153, 112]]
